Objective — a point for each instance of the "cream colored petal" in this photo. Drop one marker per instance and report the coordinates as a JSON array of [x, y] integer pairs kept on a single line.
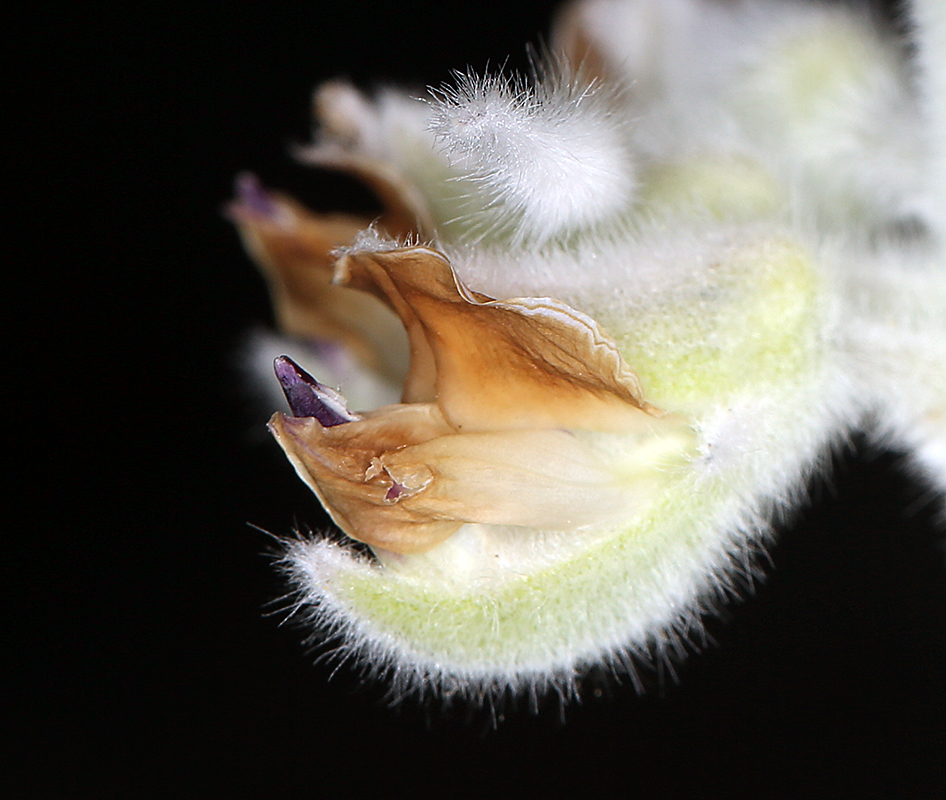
[[520, 363], [341, 464], [403, 481], [293, 246], [544, 479]]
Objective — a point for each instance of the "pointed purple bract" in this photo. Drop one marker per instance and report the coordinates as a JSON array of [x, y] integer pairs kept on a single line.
[[309, 398], [252, 196]]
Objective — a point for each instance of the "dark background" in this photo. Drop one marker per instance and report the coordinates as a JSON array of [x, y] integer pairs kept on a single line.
[[150, 662]]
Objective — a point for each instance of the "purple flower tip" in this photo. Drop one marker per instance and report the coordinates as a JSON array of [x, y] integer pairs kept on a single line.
[[252, 196], [309, 398]]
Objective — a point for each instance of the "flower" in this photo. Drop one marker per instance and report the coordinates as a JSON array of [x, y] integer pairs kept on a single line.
[[293, 248], [749, 199], [497, 395]]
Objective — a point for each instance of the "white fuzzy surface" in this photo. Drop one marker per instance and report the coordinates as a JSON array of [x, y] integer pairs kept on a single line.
[[569, 143], [929, 33]]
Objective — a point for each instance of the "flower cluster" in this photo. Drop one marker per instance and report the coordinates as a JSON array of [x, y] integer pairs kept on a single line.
[[608, 322]]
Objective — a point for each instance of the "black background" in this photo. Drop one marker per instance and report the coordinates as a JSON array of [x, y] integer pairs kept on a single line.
[[151, 665]]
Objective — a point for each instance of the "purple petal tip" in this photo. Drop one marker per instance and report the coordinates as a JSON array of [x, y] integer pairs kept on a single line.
[[309, 398], [253, 197]]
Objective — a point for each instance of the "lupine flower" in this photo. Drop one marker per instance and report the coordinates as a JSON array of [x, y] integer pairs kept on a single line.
[[610, 320]]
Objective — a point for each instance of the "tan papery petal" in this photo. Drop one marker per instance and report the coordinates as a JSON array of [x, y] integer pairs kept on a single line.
[[403, 480], [293, 246], [420, 384], [493, 365], [343, 467], [538, 478]]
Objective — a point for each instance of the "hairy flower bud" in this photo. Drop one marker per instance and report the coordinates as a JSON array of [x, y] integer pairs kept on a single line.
[[746, 197]]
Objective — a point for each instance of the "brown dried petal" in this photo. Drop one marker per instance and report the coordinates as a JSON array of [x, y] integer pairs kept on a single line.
[[293, 246], [492, 365], [343, 467], [403, 480]]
